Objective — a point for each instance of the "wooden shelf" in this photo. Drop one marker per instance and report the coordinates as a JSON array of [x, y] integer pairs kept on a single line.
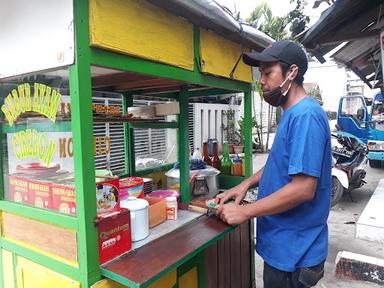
[[154, 125], [119, 119], [65, 125], [138, 123]]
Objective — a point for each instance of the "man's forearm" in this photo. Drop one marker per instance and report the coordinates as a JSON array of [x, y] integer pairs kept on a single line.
[[288, 197], [254, 179]]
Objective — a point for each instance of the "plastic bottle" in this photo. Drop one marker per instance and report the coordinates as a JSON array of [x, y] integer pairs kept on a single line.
[[171, 207], [243, 164], [226, 163], [215, 159], [206, 157], [196, 154], [237, 166]]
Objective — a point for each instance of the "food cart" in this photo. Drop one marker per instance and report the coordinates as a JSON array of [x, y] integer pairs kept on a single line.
[[67, 67]]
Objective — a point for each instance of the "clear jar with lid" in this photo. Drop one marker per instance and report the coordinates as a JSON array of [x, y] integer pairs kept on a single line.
[[171, 207]]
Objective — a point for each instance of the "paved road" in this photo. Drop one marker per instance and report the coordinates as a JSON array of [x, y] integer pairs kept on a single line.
[[341, 223]]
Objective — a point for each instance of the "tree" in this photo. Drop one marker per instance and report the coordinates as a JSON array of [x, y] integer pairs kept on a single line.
[[280, 27], [298, 21], [315, 93], [273, 26]]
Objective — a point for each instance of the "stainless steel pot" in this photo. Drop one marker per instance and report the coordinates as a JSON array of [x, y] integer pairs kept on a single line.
[[212, 180], [210, 174]]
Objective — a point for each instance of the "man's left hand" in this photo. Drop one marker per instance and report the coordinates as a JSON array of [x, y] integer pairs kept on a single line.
[[231, 213]]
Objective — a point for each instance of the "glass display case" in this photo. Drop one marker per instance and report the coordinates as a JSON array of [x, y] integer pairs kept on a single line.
[[37, 146]]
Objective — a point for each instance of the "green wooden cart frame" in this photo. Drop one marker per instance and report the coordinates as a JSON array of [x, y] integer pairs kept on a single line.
[[88, 272]]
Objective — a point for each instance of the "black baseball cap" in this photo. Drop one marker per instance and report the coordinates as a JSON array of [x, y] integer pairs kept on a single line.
[[284, 51]]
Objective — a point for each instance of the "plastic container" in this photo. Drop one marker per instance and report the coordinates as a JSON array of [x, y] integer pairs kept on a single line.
[[237, 166], [131, 187], [242, 157], [164, 194], [139, 217], [171, 206]]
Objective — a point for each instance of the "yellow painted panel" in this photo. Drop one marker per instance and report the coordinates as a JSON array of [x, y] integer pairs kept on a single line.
[[8, 269], [32, 275], [189, 279], [138, 28], [168, 281], [107, 283], [219, 56]]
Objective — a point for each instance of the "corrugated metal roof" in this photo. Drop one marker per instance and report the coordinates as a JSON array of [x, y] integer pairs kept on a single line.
[[356, 22], [209, 14]]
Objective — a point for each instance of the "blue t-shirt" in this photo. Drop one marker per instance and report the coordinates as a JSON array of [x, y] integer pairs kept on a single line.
[[298, 237]]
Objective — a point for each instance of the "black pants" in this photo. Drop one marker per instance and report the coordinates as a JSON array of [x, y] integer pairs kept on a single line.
[[300, 278]]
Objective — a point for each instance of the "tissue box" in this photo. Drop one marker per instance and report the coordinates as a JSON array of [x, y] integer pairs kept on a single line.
[[157, 211], [114, 234]]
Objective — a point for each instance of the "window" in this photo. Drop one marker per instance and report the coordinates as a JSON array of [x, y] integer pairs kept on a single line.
[[154, 147], [350, 107]]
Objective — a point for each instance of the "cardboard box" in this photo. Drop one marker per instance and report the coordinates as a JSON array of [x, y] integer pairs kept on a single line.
[[171, 108], [114, 234], [151, 111], [18, 188], [30, 191], [144, 112], [107, 196], [157, 211], [40, 193], [64, 199]]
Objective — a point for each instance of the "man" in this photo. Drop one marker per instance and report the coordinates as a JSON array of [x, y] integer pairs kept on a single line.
[[295, 184]]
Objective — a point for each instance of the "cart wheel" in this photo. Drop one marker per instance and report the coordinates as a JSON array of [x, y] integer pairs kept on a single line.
[[374, 163], [337, 191]]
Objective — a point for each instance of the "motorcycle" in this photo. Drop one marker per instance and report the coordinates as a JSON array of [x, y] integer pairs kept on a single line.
[[347, 157]]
